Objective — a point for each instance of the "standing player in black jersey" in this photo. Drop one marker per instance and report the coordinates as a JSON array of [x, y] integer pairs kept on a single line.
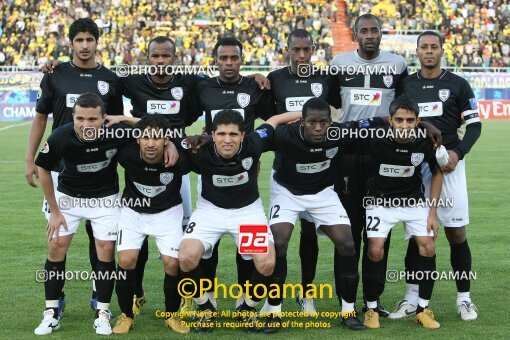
[[58, 94], [230, 90], [89, 174], [396, 181], [229, 198], [447, 101], [364, 94], [291, 90], [147, 178]]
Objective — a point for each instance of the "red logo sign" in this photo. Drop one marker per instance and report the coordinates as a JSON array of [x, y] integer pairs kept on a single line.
[[253, 239]]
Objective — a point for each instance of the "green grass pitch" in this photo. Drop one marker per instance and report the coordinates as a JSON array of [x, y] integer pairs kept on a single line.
[[24, 251]]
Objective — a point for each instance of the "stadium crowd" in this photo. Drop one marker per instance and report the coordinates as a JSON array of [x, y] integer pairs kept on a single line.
[[35, 31], [477, 32]]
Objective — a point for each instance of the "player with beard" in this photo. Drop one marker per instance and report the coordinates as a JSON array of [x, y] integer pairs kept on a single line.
[[447, 101]]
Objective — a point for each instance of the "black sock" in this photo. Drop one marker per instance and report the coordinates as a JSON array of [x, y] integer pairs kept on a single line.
[[125, 290], [460, 258], [255, 291], [278, 277], [172, 296], [209, 266], [372, 290], [104, 287], [244, 269], [92, 250], [140, 267], [308, 253], [195, 275], [55, 280], [411, 261], [426, 265], [346, 277]]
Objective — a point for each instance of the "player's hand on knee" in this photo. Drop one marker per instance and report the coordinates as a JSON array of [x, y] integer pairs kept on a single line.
[[55, 221], [171, 155], [30, 171]]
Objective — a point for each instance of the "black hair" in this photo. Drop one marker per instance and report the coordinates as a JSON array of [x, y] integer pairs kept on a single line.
[[154, 121], [316, 104], [226, 117], [89, 100], [299, 33], [435, 34], [160, 39], [227, 41], [367, 16], [404, 102], [83, 25]]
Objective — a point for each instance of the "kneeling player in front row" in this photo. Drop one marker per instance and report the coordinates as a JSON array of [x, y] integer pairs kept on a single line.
[[229, 198], [397, 184], [148, 180]]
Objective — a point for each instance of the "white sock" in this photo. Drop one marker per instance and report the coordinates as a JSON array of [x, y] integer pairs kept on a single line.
[[412, 293], [103, 306], [94, 285], [423, 303], [51, 303], [201, 300], [240, 300], [347, 307], [462, 296], [372, 304], [271, 309], [210, 296]]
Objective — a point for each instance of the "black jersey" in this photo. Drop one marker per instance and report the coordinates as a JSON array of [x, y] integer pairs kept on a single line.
[[446, 101], [60, 90], [291, 92], [172, 99], [304, 168], [232, 183], [367, 87], [397, 167], [245, 96], [151, 181], [89, 168]]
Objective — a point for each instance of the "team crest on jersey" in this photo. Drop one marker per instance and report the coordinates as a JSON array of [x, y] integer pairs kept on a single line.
[[316, 89], [45, 148], [417, 158], [247, 163], [388, 80], [103, 87], [330, 153], [444, 94], [177, 93], [166, 177], [110, 153], [243, 99]]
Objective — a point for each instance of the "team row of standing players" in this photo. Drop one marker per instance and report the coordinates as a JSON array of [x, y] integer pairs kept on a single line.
[[448, 96]]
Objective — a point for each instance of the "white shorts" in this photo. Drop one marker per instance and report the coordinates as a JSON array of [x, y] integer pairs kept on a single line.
[[304, 214], [209, 223], [104, 219], [186, 199], [380, 220], [45, 207], [164, 226], [324, 207], [454, 188]]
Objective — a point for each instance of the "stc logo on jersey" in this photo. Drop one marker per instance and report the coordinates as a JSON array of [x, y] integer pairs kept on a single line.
[[366, 97], [295, 103], [431, 109], [165, 107], [71, 99], [230, 181], [389, 170], [311, 168]]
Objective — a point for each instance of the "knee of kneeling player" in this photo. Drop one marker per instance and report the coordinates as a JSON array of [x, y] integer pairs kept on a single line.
[[427, 249], [375, 253], [266, 267]]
